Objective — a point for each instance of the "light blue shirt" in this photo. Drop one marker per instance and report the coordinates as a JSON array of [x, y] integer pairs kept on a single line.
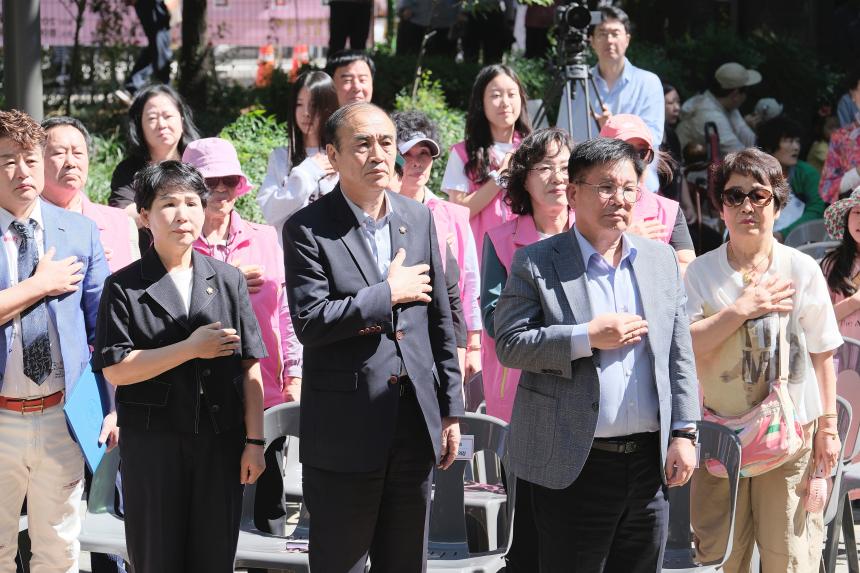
[[628, 393], [637, 91], [376, 233]]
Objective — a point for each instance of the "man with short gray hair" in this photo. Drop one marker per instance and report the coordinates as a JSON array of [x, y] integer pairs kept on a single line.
[[381, 390]]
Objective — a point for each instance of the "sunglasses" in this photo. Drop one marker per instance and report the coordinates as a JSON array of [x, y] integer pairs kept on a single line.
[[229, 181], [735, 197]]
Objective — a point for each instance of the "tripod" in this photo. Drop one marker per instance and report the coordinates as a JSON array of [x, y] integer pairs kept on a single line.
[[568, 77]]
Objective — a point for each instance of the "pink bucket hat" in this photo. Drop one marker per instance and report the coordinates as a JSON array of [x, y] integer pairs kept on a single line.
[[216, 157], [626, 126]]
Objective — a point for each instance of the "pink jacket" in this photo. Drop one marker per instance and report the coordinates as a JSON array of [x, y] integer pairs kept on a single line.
[[652, 206], [496, 212], [114, 230], [255, 244], [452, 225]]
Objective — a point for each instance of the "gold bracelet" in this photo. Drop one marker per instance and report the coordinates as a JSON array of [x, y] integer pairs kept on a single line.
[[828, 432], [829, 416]]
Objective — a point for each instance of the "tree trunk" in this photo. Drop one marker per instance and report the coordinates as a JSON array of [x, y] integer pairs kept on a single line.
[[195, 55], [75, 64]]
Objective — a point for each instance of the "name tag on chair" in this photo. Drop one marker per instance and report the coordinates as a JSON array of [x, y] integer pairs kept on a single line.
[[467, 448]]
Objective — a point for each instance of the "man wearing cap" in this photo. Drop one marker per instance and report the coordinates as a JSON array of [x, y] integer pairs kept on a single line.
[[720, 104], [381, 388], [621, 86]]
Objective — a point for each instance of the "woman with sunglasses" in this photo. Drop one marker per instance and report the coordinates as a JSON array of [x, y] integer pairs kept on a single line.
[[654, 216], [255, 250], [739, 297]]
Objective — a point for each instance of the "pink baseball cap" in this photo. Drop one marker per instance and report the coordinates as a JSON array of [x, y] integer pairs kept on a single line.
[[216, 157], [626, 126]]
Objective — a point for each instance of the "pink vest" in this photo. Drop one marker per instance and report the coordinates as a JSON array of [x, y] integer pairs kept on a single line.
[[500, 383], [258, 245], [653, 206], [496, 212], [452, 224], [114, 229]]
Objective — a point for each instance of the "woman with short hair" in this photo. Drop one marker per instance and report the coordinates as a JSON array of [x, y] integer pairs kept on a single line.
[[743, 299]]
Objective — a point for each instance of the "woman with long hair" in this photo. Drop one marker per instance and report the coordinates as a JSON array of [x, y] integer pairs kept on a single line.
[[536, 191], [496, 123], [160, 127], [841, 266], [299, 173]]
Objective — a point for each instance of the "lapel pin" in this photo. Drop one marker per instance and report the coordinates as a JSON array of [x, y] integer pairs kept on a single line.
[[210, 290], [402, 230]]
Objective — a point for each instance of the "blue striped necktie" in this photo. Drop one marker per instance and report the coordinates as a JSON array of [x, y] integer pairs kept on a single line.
[[34, 319]]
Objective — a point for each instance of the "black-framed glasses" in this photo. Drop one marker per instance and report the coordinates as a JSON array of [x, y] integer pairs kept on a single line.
[[758, 196], [630, 193], [229, 181]]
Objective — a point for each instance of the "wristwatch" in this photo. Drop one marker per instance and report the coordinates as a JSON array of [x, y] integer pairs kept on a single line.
[[692, 436]]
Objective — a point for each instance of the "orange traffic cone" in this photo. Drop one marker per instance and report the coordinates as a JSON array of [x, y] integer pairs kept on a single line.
[[265, 65]]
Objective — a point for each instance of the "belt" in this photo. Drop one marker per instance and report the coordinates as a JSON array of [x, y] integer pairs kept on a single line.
[[31, 405], [625, 444]]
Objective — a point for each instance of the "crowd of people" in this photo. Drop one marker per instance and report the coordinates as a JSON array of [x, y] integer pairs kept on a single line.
[[571, 270]]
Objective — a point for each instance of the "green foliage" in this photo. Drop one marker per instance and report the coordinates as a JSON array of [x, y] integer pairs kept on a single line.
[[254, 135], [108, 152], [396, 73], [534, 74], [450, 122]]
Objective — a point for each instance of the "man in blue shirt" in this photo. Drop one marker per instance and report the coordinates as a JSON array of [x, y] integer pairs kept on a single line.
[[621, 86], [603, 421]]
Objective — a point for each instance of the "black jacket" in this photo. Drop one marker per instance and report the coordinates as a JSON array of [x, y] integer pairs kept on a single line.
[[141, 309], [355, 343]]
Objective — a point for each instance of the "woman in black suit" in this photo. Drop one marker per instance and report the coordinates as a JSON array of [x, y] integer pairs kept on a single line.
[[177, 336]]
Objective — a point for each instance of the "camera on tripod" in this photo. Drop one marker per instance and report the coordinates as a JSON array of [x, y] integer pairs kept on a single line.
[[572, 21]]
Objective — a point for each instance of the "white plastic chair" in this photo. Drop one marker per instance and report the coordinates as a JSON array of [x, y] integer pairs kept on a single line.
[[807, 232], [719, 443], [819, 249], [102, 531]]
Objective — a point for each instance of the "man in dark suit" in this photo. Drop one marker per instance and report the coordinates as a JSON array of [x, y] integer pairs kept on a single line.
[[381, 389]]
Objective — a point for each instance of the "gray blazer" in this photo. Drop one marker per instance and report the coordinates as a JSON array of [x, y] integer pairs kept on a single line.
[[555, 411]]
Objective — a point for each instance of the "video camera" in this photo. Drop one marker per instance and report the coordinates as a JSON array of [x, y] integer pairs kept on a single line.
[[572, 21]]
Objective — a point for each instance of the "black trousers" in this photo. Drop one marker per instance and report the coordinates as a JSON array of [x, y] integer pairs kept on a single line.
[[348, 20], [383, 513], [614, 518], [153, 62], [522, 557], [487, 31], [183, 500], [537, 42], [410, 36]]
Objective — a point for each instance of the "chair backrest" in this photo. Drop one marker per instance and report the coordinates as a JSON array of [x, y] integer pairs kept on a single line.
[[844, 416], [807, 232], [720, 443], [278, 421], [102, 496], [474, 392], [847, 362], [818, 249], [447, 538]]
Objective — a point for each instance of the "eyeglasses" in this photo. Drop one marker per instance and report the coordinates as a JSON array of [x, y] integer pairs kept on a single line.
[[606, 191], [229, 181], [545, 171], [735, 196]]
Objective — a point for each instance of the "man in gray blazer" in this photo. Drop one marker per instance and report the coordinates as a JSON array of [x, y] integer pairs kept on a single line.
[[381, 388], [604, 417]]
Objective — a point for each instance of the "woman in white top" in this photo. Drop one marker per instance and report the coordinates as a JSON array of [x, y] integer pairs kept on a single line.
[[736, 296], [301, 173], [496, 122]]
